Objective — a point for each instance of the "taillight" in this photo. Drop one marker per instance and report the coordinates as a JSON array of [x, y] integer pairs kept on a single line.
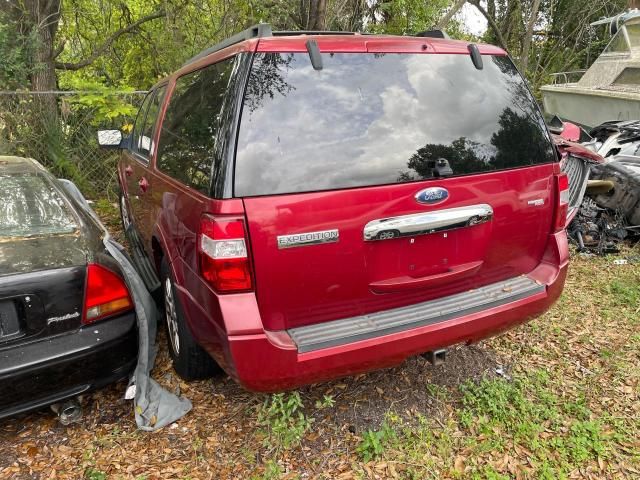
[[562, 201], [106, 294], [222, 248]]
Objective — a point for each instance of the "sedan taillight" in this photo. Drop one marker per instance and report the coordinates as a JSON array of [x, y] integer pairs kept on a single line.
[[106, 294], [222, 249]]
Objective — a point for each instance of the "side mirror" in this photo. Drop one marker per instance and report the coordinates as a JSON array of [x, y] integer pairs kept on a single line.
[[110, 138]]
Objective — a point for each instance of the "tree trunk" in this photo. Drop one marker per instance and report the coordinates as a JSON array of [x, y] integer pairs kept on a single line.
[[317, 14], [491, 8], [442, 23], [528, 36], [492, 23], [44, 16]]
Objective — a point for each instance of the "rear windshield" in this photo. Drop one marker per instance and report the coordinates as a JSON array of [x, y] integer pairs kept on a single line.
[[31, 207], [374, 119]]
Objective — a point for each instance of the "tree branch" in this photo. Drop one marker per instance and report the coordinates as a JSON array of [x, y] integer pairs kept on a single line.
[[491, 21], [450, 13], [526, 46], [97, 53], [59, 49]]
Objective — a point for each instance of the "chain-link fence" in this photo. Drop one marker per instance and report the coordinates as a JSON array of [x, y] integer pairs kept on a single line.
[[59, 130]]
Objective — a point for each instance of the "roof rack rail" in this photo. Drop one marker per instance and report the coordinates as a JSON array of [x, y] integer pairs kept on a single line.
[[285, 33], [256, 31], [433, 34]]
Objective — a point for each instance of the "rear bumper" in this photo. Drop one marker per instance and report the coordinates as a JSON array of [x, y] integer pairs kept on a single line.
[[54, 369], [271, 361]]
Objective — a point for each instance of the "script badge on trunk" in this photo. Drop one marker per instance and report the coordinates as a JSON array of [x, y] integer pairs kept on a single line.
[[309, 238]]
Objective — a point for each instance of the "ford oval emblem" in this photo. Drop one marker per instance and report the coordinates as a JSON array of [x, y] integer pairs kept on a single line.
[[432, 195]]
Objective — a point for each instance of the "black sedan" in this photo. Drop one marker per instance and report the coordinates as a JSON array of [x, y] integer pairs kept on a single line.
[[67, 322]]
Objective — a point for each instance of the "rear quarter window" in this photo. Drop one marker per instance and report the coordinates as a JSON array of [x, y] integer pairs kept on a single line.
[[190, 138], [373, 119]]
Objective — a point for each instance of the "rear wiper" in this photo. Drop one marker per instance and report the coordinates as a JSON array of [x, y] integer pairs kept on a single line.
[[476, 57], [314, 54]]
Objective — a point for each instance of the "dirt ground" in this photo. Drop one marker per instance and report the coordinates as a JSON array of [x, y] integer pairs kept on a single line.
[[430, 422]]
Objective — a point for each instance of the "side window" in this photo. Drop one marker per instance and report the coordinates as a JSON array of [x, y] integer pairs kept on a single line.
[[191, 135], [145, 143], [139, 124]]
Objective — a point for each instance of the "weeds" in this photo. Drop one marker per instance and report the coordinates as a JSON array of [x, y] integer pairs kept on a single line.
[[326, 402], [626, 291], [374, 441], [282, 421], [93, 474], [560, 434]]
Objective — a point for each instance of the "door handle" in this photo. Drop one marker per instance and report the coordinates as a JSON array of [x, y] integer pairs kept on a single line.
[[128, 171], [143, 184], [428, 222]]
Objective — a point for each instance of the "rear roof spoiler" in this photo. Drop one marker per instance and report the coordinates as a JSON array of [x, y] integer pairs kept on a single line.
[[263, 30]]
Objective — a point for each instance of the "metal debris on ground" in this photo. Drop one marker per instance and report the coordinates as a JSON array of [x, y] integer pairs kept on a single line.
[[610, 212], [599, 230]]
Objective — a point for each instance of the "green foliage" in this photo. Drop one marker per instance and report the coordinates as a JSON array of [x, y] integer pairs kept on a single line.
[[94, 474], [282, 421], [14, 51], [402, 17], [562, 435], [626, 291], [271, 471], [374, 442], [106, 104], [326, 402], [489, 473]]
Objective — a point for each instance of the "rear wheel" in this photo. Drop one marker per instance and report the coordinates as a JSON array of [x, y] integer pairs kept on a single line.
[[190, 361]]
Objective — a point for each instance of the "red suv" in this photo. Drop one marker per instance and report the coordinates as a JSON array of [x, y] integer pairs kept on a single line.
[[315, 205]]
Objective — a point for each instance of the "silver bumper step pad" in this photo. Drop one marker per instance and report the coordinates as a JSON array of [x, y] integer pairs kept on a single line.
[[363, 327]]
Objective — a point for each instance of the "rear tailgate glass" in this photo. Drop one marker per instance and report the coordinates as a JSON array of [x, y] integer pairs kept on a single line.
[[405, 126], [373, 119]]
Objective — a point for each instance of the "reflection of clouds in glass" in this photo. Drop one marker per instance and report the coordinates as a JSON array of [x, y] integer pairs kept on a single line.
[[359, 120], [32, 207]]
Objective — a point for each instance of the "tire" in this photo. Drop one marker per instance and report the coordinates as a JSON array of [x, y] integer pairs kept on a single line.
[[190, 361]]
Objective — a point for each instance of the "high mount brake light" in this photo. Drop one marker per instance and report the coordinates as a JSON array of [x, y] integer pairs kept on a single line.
[[106, 294], [223, 256], [562, 202]]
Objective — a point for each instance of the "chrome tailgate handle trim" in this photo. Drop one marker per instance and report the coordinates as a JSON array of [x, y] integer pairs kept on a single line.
[[427, 223]]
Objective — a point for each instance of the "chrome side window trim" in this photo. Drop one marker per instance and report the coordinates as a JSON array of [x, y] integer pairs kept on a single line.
[[427, 223]]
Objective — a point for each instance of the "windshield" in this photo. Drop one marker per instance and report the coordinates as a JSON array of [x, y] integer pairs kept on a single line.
[[31, 207], [374, 119]]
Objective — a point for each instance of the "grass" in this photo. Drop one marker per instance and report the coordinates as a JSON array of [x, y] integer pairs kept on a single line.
[[571, 408]]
